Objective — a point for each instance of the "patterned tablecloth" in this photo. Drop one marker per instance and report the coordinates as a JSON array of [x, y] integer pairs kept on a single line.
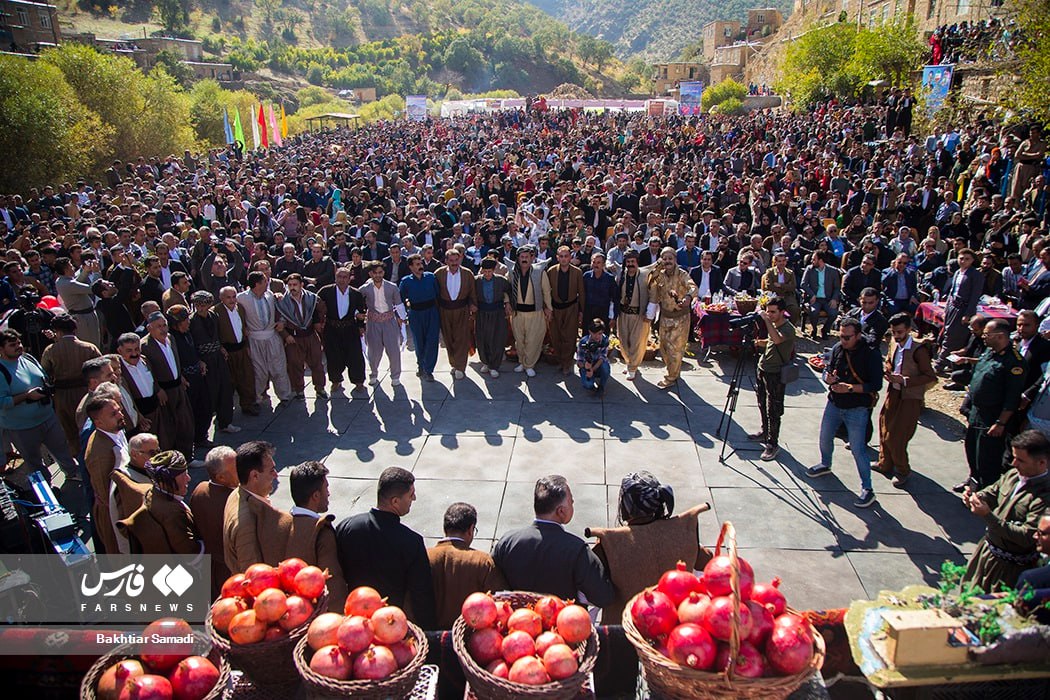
[[713, 328], [932, 313]]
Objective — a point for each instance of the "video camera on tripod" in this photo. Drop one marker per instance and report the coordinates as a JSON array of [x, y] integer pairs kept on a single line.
[[747, 324]]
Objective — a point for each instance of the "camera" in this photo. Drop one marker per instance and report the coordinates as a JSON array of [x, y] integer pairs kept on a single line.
[[745, 322], [48, 390]]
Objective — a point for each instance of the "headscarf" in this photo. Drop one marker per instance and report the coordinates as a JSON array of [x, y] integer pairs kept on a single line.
[[164, 468], [643, 498]]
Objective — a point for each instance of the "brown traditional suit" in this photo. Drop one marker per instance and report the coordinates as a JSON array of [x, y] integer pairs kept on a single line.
[[100, 458], [208, 505], [163, 525], [174, 428], [63, 360], [171, 297], [237, 356], [253, 531], [148, 407], [565, 315], [458, 571], [313, 540], [900, 414], [456, 317]]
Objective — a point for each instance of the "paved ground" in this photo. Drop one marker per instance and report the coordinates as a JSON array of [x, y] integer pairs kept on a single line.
[[485, 441]]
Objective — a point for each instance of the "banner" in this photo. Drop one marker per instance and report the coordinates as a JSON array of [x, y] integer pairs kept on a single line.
[[226, 128], [275, 132], [689, 93], [238, 130], [262, 127], [416, 107], [284, 123], [656, 108], [936, 81]]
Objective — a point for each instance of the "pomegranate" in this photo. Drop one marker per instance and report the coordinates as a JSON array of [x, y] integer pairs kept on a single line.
[[769, 594], [692, 608], [147, 687], [390, 624], [404, 651], [792, 620], [270, 605], [653, 614], [479, 610], [761, 623], [692, 646], [298, 612], [355, 634], [287, 570], [790, 648], [528, 670], [503, 613], [498, 668], [375, 664], [273, 633], [223, 610], [114, 678], [516, 645], [193, 678], [324, 630], [246, 628], [716, 578], [332, 662], [749, 662], [234, 586], [259, 577], [310, 582], [526, 620], [718, 618], [560, 662], [574, 624], [678, 583], [547, 640], [162, 656], [485, 645], [363, 601], [548, 608]]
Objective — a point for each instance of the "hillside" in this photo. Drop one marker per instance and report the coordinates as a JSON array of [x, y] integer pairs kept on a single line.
[[656, 29]]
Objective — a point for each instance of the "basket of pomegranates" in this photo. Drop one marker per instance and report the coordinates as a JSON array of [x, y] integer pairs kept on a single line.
[[371, 652], [262, 613], [515, 644], [196, 671], [721, 635]]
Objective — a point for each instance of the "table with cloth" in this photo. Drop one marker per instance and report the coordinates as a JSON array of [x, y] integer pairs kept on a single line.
[[712, 327], [929, 316]]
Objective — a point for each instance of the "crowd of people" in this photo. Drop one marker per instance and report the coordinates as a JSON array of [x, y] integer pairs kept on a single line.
[[189, 286], [973, 42]]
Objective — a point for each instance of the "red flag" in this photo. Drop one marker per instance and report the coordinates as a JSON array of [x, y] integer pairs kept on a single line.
[[262, 127]]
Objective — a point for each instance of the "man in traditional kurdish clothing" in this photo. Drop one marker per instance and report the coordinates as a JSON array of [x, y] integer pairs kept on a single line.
[[63, 361], [567, 303], [344, 325], [490, 326], [530, 300], [632, 325], [204, 328], [76, 297], [420, 293], [233, 335], [457, 304], [301, 314], [1011, 509], [672, 290], [174, 427], [267, 350], [386, 313]]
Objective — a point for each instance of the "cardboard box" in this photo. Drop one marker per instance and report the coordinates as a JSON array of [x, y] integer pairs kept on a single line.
[[925, 638]]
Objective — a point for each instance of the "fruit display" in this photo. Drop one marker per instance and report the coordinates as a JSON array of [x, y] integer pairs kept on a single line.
[[176, 674]]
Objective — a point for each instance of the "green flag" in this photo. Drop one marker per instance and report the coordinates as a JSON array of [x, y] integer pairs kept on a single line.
[[238, 132]]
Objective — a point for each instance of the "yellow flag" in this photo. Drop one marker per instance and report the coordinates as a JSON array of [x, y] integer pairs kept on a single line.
[[284, 122]]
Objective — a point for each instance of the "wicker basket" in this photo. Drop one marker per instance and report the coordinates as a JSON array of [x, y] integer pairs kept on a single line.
[[267, 663], [202, 645], [675, 682], [400, 685], [486, 686], [746, 306]]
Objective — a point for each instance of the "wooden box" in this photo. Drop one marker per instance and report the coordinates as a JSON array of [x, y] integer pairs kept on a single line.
[[924, 638]]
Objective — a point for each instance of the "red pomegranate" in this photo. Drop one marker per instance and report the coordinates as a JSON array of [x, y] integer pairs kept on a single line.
[[324, 630], [259, 577], [574, 624], [147, 687], [270, 605], [548, 608], [355, 634], [678, 583], [716, 578], [479, 611], [560, 662], [503, 613], [526, 620], [298, 612], [653, 614], [792, 620], [193, 678], [528, 670], [516, 645], [498, 668], [162, 656], [547, 640], [761, 623], [310, 582], [235, 585], [273, 633], [749, 662], [363, 601], [246, 628], [692, 646], [404, 651], [331, 662], [287, 570], [223, 610], [390, 624], [114, 678], [718, 618], [789, 649], [769, 594], [692, 608], [375, 664], [485, 645]]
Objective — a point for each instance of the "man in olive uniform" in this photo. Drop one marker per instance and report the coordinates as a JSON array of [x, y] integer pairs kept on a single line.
[[672, 290], [995, 391]]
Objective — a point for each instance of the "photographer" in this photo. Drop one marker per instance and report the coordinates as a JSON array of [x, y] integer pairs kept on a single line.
[[777, 350], [26, 413]]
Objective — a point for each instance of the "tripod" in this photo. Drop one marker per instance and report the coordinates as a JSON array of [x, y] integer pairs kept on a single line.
[[739, 372]]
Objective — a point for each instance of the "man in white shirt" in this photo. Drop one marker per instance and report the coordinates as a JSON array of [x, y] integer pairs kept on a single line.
[[129, 483], [266, 347], [174, 425], [137, 379], [457, 304]]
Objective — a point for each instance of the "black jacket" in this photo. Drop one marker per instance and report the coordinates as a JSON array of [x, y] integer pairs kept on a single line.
[[327, 294]]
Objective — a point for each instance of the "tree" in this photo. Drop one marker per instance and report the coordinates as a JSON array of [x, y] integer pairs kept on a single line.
[[818, 64], [1030, 94], [889, 52], [722, 93], [174, 15], [171, 62]]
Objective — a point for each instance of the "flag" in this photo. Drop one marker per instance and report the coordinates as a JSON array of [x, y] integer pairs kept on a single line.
[[255, 128], [273, 125], [262, 127], [284, 123], [238, 131], [226, 130]]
